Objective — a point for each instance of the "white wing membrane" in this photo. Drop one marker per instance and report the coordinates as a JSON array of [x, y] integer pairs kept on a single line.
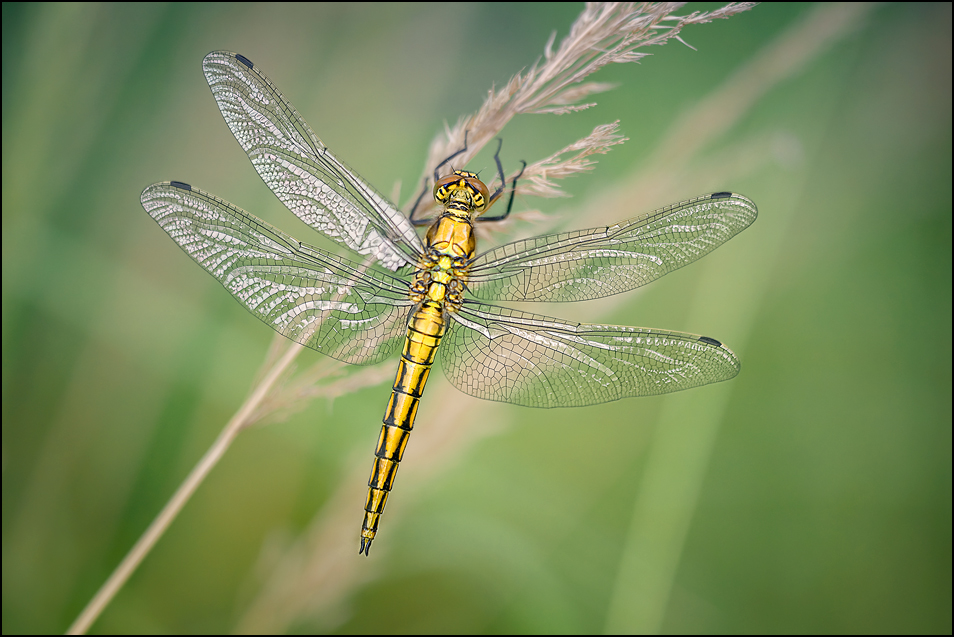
[[598, 262], [339, 308], [314, 184], [502, 354]]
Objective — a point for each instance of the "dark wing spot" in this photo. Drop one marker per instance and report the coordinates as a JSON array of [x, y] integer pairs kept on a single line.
[[710, 341], [720, 195], [244, 60], [180, 185]]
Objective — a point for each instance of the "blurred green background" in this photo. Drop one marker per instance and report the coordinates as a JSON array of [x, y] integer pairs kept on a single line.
[[810, 494]]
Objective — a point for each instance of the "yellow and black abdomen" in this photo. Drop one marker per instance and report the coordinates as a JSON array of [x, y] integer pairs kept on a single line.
[[424, 333]]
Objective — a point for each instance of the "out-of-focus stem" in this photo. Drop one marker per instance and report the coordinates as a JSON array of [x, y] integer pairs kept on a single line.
[[158, 527]]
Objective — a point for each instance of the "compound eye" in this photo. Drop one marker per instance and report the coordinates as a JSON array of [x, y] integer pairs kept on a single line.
[[441, 190], [480, 194]]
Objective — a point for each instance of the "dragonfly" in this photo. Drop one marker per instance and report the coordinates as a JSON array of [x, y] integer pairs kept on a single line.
[[419, 297]]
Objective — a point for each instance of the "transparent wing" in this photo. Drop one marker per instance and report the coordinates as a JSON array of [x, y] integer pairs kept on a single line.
[[589, 264], [314, 184], [501, 354], [324, 302]]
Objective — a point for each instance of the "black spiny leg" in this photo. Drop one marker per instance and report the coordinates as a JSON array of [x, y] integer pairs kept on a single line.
[[419, 222], [424, 222], [438, 166], [503, 182]]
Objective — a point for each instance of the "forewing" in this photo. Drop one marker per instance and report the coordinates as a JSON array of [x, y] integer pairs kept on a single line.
[[589, 264], [314, 184], [329, 304], [501, 354]]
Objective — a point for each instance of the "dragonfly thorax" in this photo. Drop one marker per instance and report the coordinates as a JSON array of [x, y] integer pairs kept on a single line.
[[451, 235], [442, 269]]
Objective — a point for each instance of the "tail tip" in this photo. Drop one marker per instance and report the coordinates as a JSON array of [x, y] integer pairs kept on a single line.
[[365, 546]]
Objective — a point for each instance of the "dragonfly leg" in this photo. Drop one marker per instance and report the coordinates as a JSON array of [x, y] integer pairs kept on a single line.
[[419, 222], [437, 168], [500, 173], [447, 159], [499, 191]]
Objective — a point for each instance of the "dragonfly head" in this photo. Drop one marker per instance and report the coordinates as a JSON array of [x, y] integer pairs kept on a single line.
[[462, 191]]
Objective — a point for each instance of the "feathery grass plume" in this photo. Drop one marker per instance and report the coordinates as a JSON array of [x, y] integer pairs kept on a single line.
[[605, 33], [539, 178]]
